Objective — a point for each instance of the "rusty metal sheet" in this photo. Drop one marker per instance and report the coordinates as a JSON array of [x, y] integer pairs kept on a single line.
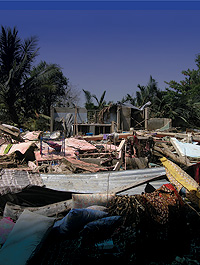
[[101, 182]]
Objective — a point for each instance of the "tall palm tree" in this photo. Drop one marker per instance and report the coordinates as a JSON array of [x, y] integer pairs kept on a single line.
[[147, 93], [16, 58]]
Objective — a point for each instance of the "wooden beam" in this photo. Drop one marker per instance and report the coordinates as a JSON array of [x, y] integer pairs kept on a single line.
[[14, 135], [166, 152]]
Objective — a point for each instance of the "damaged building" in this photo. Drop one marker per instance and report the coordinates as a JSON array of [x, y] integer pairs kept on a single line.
[[112, 118]]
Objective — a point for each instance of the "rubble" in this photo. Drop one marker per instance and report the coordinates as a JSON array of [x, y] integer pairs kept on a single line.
[[145, 181]]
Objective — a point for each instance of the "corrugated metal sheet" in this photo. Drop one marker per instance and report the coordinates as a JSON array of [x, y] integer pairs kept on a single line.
[[12, 181], [102, 182]]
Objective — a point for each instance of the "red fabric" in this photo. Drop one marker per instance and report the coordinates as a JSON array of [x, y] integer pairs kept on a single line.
[[171, 187], [197, 177]]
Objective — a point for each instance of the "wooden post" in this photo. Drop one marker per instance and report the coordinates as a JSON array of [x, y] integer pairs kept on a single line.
[[125, 158], [118, 118], [146, 117], [75, 122], [52, 118]]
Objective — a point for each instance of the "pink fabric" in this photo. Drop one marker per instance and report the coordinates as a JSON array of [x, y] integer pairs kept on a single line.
[[6, 226]]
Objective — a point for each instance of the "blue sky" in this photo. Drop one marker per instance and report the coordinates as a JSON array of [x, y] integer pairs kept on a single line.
[[112, 50]]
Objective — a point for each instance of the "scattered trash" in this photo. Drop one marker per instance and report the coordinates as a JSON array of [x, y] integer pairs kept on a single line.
[[99, 198]]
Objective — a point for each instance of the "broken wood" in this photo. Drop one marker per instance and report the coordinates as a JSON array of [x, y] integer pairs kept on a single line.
[[117, 166], [14, 135], [166, 152], [94, 154], [100, 136], [195, 138], [78, 164], [14, 211], [121, 145]]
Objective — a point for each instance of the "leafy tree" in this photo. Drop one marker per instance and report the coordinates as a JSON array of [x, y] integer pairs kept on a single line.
[[150, 92], [183, 99], [45, 86], [26, 90], [147, 93], [128, 98]]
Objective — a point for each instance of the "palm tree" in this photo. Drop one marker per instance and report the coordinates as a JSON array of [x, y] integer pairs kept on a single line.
[[89, 105], [16, 58], [25, 89], [147, 93], [101, 103]]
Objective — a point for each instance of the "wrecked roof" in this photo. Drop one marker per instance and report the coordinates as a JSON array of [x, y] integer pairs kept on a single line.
[[80, 144], [12, 181], [20, 147]]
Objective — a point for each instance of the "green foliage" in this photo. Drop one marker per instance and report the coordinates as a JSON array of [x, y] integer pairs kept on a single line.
[[180, 101], [183, 99], [147, 93], [16, 58], [45, 86], [128, 98], [38, 123], [24, 88], [89, 105]]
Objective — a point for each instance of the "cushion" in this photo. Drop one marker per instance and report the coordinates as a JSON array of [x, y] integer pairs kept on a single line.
[[24, 238], [75, 220]]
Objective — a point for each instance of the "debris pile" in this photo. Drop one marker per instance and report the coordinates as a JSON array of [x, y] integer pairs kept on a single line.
[[137, 202], [51, 152]]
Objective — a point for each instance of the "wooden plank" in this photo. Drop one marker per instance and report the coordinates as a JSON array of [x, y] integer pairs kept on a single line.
[[100, 136], [176, 147], [121, 145], [117, 166], [195, 138]]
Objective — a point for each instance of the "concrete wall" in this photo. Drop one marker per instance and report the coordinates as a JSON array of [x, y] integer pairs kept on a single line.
[[58, 113], [125, 118], [158, 123]]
